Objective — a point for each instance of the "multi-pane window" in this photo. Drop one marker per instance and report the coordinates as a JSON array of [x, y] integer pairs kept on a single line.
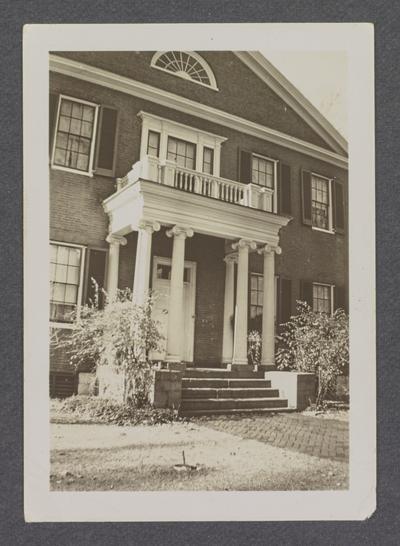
[[187, 65], [164, 272], [184, 153], [256, 295], [320, 202], [65, 275], [322, 298], [263, 171], [73, 145], [208, 160], [153, 143]]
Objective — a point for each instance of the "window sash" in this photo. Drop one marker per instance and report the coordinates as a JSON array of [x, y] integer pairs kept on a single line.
[[321, 203], [263, 171], [182, 152], [322, 298], [75, 135]]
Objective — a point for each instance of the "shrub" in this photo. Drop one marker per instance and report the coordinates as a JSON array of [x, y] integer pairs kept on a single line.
[[254, 344], [120, 335], [318, 343], [89, 409]]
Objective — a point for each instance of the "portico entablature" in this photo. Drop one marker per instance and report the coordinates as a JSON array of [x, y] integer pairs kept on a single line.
[[150, 201]]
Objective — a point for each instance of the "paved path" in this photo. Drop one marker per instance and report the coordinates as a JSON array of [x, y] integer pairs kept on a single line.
[[327, 438]]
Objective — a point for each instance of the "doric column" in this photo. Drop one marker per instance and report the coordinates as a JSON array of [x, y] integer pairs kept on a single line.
[[268, 318], [113, 264], [227, 340], [143, 260], [175, 315], [240, 333]]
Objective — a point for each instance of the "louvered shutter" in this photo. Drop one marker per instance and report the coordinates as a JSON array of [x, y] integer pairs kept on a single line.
[[285, 189], [285, 300], [338, 207], [306, 197], [306, 292], [53, 105], [245, 167], [339, 298], [95, 269], [106, 141]]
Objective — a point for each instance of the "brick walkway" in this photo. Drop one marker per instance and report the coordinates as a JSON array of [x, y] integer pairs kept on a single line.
[[327, 438]]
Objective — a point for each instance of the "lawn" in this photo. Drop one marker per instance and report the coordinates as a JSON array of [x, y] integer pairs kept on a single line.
[[90, 457]]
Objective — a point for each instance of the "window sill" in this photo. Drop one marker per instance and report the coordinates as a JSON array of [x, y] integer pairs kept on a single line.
[[68, 170], [324, 230]]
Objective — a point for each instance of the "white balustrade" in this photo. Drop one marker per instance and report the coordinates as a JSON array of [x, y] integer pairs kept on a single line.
[[170, 174]]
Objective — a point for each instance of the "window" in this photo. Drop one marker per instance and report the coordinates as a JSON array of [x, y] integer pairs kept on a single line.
[[184, 153], [153, 143], [256, 295], [74, 139], [164, 272], [263, 172], [320, 202], [187, 65], [208, 160], [322, 298], [189, 147], [65, 280]]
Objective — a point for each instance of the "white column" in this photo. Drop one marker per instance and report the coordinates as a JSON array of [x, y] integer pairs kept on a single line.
[[175, 330], [268, 320], [113, 264], [227, 340], [240, 334], [143, 260]]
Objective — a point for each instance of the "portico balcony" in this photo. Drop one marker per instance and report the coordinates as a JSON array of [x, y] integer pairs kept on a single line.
[[168, 173]]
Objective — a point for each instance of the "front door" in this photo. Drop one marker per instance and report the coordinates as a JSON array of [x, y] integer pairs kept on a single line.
[[161, 288]]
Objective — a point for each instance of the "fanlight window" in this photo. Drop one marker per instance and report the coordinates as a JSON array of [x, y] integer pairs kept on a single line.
[[187, 65]]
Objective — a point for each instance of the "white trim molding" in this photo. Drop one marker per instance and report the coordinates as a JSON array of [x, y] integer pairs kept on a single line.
[[147, 92], [293, 98]]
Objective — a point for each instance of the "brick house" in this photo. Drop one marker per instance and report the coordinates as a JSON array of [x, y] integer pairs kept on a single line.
[[206, 177]]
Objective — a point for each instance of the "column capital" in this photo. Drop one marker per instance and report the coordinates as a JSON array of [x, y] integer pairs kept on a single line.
[[243, 243], [268, 249], [149, 225], [231, 258], [116, 239], [180, 232]]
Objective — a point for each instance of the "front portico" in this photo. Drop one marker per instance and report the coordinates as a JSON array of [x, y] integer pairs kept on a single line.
[[144, 203]]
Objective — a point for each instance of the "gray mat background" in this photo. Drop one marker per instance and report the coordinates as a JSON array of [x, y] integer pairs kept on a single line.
[[383, 527]]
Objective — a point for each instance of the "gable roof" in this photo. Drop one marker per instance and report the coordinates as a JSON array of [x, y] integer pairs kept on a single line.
[[270, 75]]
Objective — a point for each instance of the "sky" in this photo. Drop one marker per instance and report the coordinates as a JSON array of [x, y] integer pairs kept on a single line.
[[321, 77]]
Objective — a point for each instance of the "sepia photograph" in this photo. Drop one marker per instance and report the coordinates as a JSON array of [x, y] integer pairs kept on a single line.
[[199, 311]]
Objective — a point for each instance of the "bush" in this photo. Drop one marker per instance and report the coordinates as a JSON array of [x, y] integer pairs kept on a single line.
[[318, 343], [120, 335], [89, 409], [254, 345]]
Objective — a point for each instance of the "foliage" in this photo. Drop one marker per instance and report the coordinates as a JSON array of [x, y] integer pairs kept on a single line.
[[121, 334], [88, 409], [254, 344], [318, 343]]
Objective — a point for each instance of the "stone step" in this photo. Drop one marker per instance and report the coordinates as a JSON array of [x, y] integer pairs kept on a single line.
[[199, 392], [211, 412], [215, 383], [221, 373], [232, 403]]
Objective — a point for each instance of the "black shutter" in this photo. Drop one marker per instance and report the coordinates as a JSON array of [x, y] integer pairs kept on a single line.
[[245, 167], [306, 197], [106, 141], [285, 300], [306, 292], [338, 206], [95, 269], [53, 105], [339, 298], [285, 189]]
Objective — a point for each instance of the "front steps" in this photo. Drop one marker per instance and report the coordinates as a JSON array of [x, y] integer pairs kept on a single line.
[[208, 391]]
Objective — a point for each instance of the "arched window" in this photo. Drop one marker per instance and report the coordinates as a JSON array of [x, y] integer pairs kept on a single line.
[[185, 64]]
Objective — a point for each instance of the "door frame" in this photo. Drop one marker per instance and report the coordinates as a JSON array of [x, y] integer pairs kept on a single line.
[[163, 260]]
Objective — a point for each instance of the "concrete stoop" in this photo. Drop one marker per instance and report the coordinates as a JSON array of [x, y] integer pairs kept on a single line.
[[220, 391]]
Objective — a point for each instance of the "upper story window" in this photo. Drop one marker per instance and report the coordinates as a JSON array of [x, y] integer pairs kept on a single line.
[[187, 65], [321, 213], [83, 136], [74, 139], [188, 147], [263, 171]]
